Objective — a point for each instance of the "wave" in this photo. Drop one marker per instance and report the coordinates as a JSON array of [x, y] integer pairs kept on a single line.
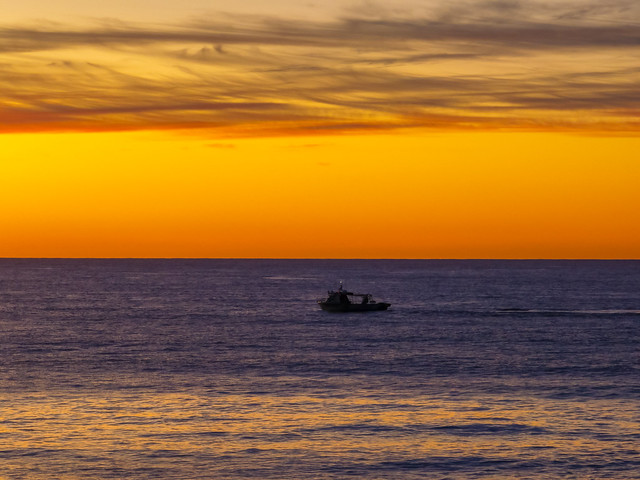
[[289, 278], [448, 464], [491, 429]]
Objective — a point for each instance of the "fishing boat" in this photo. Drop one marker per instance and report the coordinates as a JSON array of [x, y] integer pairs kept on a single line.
[[342, 300]]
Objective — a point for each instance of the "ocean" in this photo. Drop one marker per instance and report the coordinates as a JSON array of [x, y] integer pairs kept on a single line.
[[228, 369]]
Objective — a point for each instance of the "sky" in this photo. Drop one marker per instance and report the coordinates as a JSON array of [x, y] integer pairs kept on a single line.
[[337, 129]]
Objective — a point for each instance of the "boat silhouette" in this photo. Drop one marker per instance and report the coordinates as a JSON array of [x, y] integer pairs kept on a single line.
[[342, 300]]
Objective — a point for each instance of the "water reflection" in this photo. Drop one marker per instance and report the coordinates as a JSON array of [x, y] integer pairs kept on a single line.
[[91, 433]]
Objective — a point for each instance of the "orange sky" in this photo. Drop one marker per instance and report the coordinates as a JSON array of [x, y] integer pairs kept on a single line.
[[426, 130]]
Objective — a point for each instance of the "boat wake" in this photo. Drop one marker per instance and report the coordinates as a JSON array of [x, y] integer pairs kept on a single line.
[[561, 312]]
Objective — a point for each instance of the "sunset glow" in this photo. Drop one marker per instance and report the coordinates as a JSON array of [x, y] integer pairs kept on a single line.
[[364, 129]]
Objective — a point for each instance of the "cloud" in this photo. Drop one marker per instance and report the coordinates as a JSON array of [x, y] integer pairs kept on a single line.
[[221, 145], [495, 64]]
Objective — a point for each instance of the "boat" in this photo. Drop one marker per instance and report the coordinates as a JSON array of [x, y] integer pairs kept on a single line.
[[343, 301]]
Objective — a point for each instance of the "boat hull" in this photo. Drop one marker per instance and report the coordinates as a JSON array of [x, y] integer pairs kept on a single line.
[[353, 307]]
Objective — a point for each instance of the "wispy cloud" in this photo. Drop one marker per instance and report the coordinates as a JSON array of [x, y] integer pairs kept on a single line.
[[495, 64]]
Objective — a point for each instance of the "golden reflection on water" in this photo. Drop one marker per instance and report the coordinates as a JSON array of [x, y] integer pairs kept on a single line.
[[68, 432]]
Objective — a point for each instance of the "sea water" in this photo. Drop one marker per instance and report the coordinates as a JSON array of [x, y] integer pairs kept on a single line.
[[227, 369]]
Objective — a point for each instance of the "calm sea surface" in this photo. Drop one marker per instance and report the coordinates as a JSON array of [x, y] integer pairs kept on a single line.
[[227, 369]]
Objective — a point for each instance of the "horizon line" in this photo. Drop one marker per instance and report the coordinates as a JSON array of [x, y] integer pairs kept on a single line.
[[333, 258]]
